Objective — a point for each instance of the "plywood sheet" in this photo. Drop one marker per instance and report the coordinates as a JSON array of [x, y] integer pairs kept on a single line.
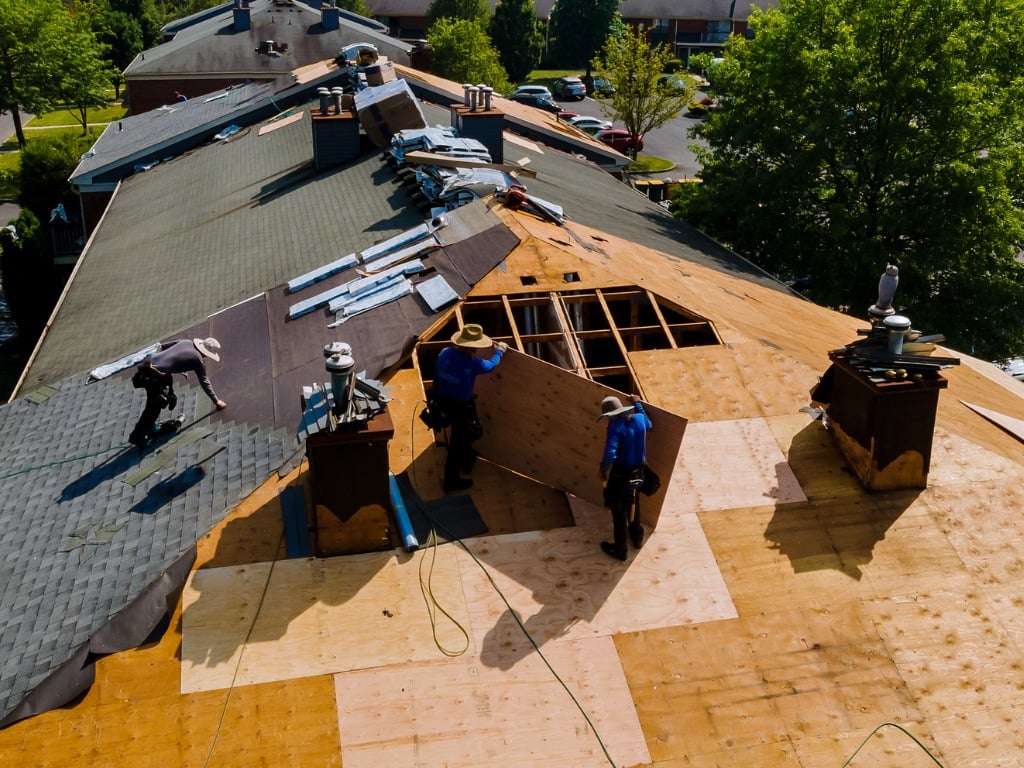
[[548, 430], [317, 617], [731, 464], [953, 653], [882, 545], [760, 681], [564, 587], [724, 382], [466, 712]]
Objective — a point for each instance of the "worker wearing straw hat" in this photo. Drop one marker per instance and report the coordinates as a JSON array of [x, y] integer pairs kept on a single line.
[[624, 456], [457, 369]]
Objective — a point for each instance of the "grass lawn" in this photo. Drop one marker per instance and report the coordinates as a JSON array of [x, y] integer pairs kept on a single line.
[[649, 164], [70, 117], [9, 164]]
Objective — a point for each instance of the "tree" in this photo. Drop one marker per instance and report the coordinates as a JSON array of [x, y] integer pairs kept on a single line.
[[25, 57], [463, 53], [29, 279], [639, 102], [470, 10], [83, 77], [518, 37], [857, 133], [579, 29]]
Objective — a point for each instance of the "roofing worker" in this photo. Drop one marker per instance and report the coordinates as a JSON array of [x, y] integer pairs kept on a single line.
[[154, 374], [457, 369], [625, 451]]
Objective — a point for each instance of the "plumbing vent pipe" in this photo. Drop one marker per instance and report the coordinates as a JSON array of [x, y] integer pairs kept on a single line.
[[898, 327], [340, 366]]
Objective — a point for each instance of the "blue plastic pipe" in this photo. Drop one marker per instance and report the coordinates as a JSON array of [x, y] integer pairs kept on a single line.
[[402, 516]]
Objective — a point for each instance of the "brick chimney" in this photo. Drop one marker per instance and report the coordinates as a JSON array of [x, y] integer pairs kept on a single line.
[[330, 16], [477, 118], [335, 131], [242, 19]]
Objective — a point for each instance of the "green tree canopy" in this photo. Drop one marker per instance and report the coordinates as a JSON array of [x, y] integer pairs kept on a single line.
[[518, 36], [470, 10], [579, 29], [463, 53], [634, 65], [857, 133], [26, 70]]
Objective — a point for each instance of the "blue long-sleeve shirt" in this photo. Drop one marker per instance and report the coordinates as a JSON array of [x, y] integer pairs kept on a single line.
[[456, 372], [183, 357], [626, 443]]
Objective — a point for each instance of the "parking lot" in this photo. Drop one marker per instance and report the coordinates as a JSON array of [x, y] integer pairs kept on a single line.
[[671, 141]]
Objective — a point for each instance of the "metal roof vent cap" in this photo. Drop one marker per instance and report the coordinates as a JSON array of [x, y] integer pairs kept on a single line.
[[886, 290], [341, 368], [898, 327]]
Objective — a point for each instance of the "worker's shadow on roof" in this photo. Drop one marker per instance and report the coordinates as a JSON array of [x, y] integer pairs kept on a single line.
[[840, 524], [114, 467], [167, 490]]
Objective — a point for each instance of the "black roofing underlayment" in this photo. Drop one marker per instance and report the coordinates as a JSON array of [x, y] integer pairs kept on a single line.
[[87, 561]]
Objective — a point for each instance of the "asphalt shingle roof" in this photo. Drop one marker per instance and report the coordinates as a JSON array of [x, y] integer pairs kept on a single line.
[[77, 544]]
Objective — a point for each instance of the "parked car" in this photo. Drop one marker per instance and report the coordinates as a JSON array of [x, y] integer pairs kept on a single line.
[[603, 87], [589, 124], [533, 90], [673, 82], [540, 102], [569, 88], [619, 138]]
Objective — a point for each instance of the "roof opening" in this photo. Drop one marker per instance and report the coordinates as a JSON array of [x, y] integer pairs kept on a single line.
[[591, 332]]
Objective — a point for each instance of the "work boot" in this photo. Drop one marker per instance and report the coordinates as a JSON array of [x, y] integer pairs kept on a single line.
[[610, 549], [457, 484], [636, 535]]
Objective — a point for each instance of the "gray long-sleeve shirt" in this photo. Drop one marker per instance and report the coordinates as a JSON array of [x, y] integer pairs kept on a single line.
[[182, 357]]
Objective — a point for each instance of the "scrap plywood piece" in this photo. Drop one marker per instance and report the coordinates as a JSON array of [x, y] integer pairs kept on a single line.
[[466, 712], [540, 420], [1014, 426], [317, 617], [760, 681], [731, 464], [565, 588]]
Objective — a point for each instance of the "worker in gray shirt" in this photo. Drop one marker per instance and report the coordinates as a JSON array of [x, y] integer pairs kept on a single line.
[[155, 375]]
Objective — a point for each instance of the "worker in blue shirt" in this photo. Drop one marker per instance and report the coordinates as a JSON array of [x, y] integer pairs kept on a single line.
[[457, 369], [625, 452]]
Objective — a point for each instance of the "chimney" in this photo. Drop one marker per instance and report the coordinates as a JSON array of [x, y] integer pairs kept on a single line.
[[243, 21], [330, 16], [882, 399], [477, 118], [335, 132]]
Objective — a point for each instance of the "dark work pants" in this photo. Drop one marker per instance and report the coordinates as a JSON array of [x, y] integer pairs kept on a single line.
[[464, 429], [619, 496], [158, 393]]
